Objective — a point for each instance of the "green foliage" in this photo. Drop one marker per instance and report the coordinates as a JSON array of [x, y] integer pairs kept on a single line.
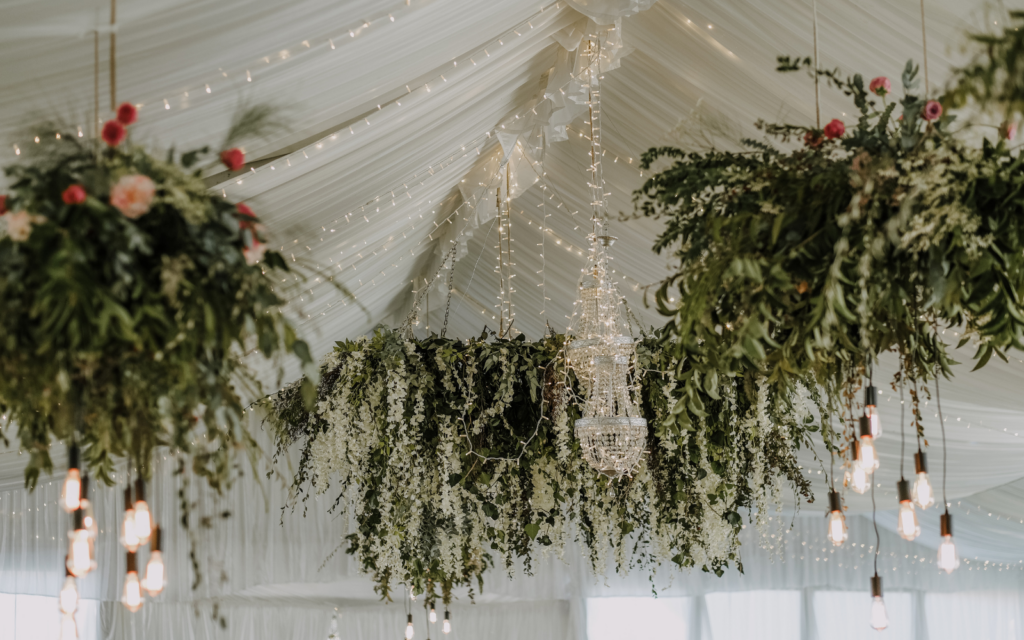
[[127, 334], [452, 455], [994, 78]]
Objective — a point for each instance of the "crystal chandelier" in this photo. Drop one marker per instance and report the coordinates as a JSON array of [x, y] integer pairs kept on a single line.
[[600, 351]]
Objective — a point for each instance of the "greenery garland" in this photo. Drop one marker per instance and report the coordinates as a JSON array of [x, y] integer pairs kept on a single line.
[[802, 265], [452, 455], [130, 294]]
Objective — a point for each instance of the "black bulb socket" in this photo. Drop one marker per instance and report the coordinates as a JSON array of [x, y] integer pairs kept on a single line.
[[154, 539], [130, 563], [140, 489], [85, 487], [871, 396], [920, 462], [78, 519], [903, 489], [73, 457], [865, 426], [835, 503], [945, 524], [128, 498], [409, 618], [876, 586], [446, 615]]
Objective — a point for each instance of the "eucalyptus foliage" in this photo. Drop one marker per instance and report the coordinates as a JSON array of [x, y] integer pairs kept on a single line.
[[447, 457], [803, 263], [126, 332]]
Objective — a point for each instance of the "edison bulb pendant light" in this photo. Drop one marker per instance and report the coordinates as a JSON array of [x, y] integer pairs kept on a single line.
[[131, 596], [871, 410], [855, 477], [906, 525], [154, 581], [879, 616], [867, 457], [433, 615], [447, 628], [948, 560], [129, 538], [143, 520], [409, 631], [924, 496], [71, 491], [78, 561], [69, 595], [837, 531]]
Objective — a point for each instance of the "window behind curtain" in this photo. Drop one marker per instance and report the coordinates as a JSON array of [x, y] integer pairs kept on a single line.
[[25, 617], [746, 615], [638, 618], [979, 615]]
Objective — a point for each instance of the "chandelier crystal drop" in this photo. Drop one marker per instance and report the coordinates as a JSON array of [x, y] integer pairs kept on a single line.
[[601, 353]]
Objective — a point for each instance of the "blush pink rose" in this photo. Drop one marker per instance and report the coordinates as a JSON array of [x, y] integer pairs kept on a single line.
[[254, 253], [880, 86], [133, 195], [19, 225], [835, 129], [1008, 130], [932, 110]]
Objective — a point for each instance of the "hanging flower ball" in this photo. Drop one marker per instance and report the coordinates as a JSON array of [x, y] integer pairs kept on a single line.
[[113, 133], [133, 195], [75, 194], [233, 159], [932, 110], [813, 139], [1008, 130], [835, 129], [880, 86], [127, 114]]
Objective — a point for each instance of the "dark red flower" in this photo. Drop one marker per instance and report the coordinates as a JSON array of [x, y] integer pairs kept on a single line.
[[813, 139], [127, 114], [835, 129], [113, 133], [932, 110], [245, 210], [75, 194], [3, 205], [233, 159]]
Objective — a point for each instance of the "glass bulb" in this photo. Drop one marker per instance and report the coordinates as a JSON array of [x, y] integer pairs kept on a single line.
[[924, 497], [858, 480], [131, 597], [409, 632], [89, 518], [949, 560], [837, 528], [68, 628], [129, 538], [871, 412], [154, 580], [433, 615], [79, 561], [867, 459], [69, 596], [447, 626], [879, 617], [143, 522], [71, 492], [907, 525]]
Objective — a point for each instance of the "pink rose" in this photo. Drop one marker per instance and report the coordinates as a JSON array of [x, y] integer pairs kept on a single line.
[[1008, 130], [113, 133], [75, 194], [233, 159], [127, 114], [19, 225], [132, 195], [835, 129], [932, 110], [880, 86], [254, 253]]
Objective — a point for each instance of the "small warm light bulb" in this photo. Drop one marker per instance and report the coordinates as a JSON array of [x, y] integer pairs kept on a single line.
[[409, 632], [78, 561], [143, 520], [153, 583], [129, 538], [71, 492], [867, 458], [949, 560], [906, 525], [68, 628], [447, 628], [837, 532], [131, 597], [924, 496], [871, 410], [69, 595], [879, 617], [433, 615]]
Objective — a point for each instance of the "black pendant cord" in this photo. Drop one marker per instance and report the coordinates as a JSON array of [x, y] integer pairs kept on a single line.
[[903, 433], [942, 425], [874, 522], [917, 430]]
